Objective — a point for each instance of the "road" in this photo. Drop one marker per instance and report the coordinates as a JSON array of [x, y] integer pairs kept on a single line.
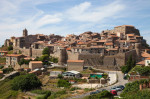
[[121, 81]]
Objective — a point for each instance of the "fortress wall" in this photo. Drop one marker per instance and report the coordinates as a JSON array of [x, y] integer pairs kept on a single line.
[[72, 56], [37, 52], [91, 59], [129, 53]]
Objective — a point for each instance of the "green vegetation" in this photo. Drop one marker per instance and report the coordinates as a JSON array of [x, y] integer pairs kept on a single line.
[[1, 67], [57, 94], [10, 52], [26, 82], [2, 60], [105, 75], [60, 76], [10, 48], [132, 91], [53, 59], [88, 89], [144, 71], [44, 94], [102, 95], [46, 51], [129, 66], [23, 61], [63, 83], [74, 88], [5, 90], [8, 70]]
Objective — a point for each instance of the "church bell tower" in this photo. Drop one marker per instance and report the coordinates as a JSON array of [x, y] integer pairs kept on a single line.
[[25, 32]]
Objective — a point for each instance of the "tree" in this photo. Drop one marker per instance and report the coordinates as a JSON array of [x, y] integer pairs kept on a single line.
[[23, 61], [46, 51], [10, 48], [63, 83], [60, 76], [26, 82], [130, 64]]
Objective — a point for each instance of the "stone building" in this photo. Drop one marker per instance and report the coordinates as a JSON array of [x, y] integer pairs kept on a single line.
[[13, 59], [35, 65], [76, 65]]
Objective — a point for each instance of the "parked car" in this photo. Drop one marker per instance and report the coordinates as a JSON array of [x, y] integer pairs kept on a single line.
[[95, 92], [116, 88], [103, 89], [114, 92], [121, 86], [92, 93]]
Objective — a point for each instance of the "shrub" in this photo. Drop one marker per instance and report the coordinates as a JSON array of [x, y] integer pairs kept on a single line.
[[60, 76], [74, 88], [8, 70], [1, 67], [57, 94], [10, 48], [26, 82], [105, 75], [103, 94], [44, 94], [46, 51], [23, 61], [63, 83]]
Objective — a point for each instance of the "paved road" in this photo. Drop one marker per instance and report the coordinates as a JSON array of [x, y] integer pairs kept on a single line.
[[121, 81]]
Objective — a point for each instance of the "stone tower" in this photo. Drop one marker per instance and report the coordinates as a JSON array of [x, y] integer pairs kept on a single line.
[[62, 56], [138, 48], [25, 32]]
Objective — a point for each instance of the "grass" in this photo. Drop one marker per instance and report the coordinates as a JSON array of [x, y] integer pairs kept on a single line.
[[5, 90], [87, 71], [2, 60], [58, 95]]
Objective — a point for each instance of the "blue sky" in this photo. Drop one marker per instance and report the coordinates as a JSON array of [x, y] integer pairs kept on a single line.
[[71, 16]]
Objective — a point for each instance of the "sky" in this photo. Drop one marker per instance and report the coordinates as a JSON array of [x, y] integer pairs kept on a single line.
[[64, 17]]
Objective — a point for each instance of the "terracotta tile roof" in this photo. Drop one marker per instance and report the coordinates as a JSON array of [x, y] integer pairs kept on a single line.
[[148, 58], [144, 54], [81, 43], [28, 58], [112, 49], [78, 61], [141, 63], [1, 72], [133, 41], [130, 34], [101, 41], [35, 61], [68, 49], [108, 43], [97, 47], [3, 51], [14, 55]]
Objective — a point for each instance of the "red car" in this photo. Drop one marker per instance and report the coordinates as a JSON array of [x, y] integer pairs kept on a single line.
[[114, 92]]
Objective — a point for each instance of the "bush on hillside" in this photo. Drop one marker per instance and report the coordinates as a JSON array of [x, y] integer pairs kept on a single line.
[[63, 83], [26, 82], [102, 95], [10, 48], [46, 51], [8, 70]]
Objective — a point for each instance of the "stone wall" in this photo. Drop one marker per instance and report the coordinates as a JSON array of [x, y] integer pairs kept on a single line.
[[77, 66]]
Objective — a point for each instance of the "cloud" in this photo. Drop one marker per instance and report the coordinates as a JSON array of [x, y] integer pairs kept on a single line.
[[85, 12], [49, 19]]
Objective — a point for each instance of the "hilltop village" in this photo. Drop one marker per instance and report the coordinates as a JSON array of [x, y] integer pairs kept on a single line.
[[109, 49], [76, 65]]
